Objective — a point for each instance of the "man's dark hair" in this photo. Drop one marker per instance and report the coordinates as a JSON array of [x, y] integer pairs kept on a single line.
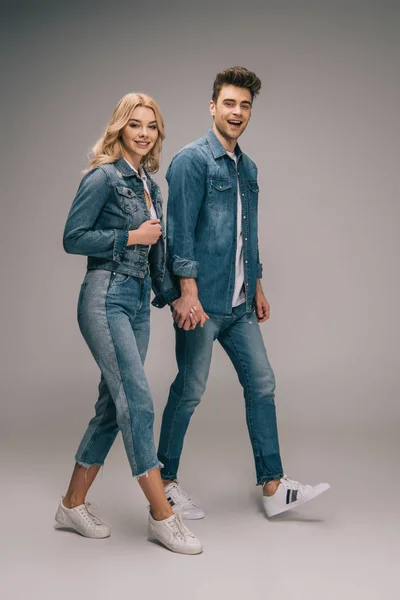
[[238, 76]]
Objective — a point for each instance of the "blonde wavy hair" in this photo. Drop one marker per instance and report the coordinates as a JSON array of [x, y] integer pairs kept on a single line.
[[109, 147]]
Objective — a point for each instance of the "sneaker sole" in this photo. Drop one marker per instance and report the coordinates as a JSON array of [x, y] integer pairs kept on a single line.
[[297, 503], [190, 551]]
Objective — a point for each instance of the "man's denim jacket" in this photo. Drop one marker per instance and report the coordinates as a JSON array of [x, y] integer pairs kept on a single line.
[[202, 221], [109, 202]]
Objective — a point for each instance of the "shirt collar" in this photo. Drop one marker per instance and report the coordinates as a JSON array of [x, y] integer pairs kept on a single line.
[[217, 148]]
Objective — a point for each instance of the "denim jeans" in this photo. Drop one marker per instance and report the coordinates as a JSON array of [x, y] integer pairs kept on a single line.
[[114, 318], [240, 336]]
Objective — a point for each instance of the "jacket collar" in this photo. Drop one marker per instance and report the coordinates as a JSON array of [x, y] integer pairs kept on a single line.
[[217, 148], [125, 169]]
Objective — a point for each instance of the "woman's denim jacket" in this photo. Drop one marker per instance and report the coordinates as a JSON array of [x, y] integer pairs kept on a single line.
[[109, 202]]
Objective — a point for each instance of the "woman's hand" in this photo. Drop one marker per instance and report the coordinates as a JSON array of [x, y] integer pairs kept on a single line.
[[188, 312], [147, 234]]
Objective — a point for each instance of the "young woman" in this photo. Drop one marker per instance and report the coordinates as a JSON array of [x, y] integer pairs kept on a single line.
[[116, 220]]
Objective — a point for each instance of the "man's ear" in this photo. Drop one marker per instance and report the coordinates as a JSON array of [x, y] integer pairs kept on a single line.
[[212, 108]]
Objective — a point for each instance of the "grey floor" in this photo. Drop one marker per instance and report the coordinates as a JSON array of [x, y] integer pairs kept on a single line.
[[343, 545]]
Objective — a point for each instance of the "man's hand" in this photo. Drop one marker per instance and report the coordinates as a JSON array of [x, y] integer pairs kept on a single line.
[[261, 304], [188, 312]]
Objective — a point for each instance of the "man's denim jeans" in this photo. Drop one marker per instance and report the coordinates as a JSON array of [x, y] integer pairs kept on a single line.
[[114, 318], [240, 336]]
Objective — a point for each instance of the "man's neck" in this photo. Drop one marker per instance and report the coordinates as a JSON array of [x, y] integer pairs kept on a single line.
[[227, 143]]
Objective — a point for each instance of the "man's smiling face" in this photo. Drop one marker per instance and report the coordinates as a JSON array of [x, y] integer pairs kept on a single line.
[[231, 111]]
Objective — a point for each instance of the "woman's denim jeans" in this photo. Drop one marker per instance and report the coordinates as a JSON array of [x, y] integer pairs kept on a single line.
[[114, 318], [240, 336]]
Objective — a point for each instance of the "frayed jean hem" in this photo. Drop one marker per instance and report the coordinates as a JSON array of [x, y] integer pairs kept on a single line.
[[267, 478], [87, 465], [159, 465]]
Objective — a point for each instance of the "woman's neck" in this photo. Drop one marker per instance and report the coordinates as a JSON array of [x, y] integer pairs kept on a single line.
[[134, 160]]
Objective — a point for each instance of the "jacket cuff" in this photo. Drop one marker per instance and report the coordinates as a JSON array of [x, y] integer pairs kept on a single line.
[[120, 242], [166, 297], [183, 267], [259, 270]]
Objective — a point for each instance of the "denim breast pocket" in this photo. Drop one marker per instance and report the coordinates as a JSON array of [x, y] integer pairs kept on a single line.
[[219, 194], [127, 199], [253, 188], [129, 204]]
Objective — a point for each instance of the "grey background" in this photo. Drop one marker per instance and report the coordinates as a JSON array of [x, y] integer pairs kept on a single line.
[[325, 136]]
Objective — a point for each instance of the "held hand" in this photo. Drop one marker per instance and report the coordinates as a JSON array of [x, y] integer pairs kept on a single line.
[[261, 306], [147, 234], [188, 312]]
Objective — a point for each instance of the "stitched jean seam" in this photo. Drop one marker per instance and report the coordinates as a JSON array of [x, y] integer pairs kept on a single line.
[[248, 404], [180, 401], [123, 386], [94, 435]]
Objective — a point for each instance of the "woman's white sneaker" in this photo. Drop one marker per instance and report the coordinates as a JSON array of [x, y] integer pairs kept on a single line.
[[290, 494], [81, 519], [174, 535], [181, 503]]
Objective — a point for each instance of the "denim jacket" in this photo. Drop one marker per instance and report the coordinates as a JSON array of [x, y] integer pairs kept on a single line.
[[202, 221], [109, 202]]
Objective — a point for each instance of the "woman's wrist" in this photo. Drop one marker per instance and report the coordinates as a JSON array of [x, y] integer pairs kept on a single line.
[[133, 237]]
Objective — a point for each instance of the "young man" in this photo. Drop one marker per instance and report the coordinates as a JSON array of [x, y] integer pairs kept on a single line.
[[212, 245]]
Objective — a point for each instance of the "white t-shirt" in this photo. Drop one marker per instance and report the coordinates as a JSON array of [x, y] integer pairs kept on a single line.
[[239, 295], [143, 177]]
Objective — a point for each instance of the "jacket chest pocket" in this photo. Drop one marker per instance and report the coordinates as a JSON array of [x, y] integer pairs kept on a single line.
[[220, 194], [252, 186], [127, 199], [252, 193], [130, 206]]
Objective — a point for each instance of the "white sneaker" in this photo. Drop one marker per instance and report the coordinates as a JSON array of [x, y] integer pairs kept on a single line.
[[82, 520], [181, 503], [174, 535], [290, 494]]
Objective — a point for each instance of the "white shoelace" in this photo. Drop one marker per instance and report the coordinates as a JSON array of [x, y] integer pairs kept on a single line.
[[293, 484], [180, 530], [87, 514], [180, 496]]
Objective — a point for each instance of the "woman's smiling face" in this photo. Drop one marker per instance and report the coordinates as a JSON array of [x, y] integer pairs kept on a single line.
[[140, 134]]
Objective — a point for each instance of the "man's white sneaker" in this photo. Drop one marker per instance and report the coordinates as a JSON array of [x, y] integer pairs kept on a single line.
[[181, 503], [174, 535], [290, 494], [81, 519]]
